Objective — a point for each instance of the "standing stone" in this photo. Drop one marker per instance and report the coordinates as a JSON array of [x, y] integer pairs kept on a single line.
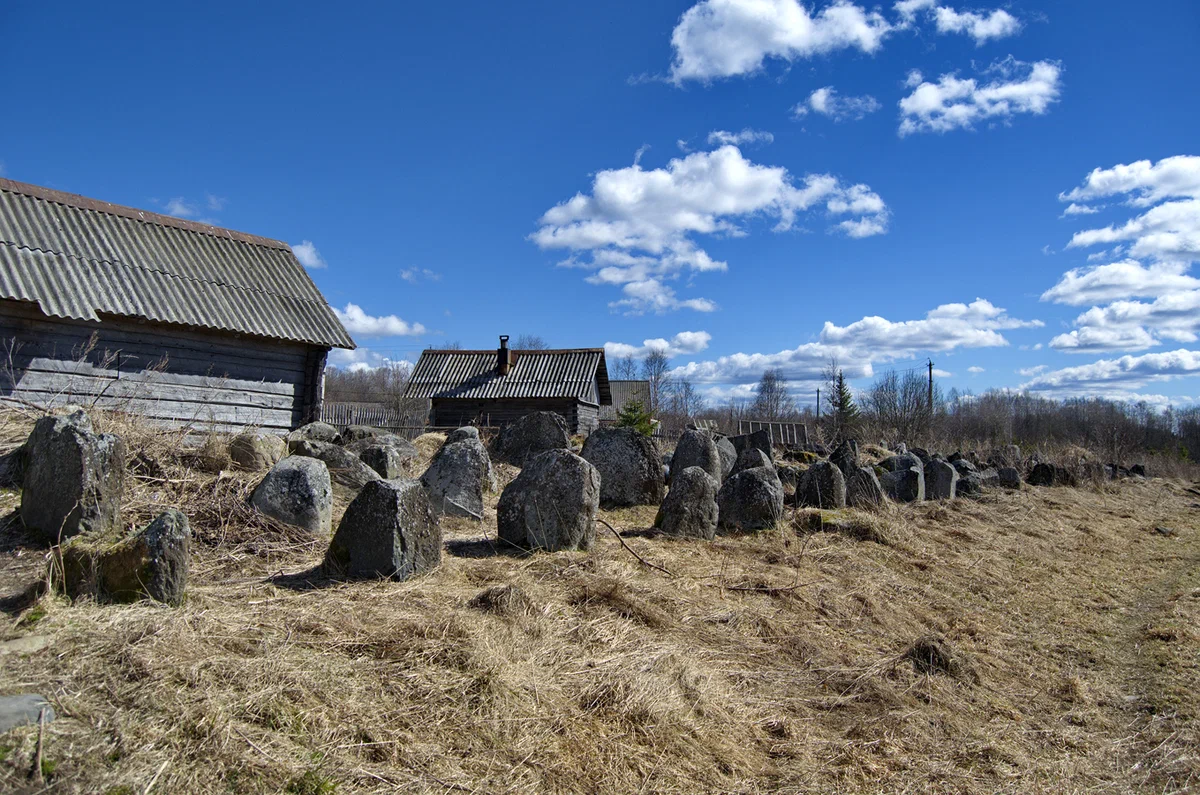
[[963, 467], [355, 433], [728, 453], [750, 459], [316, 432], [901, 461], [457, 478], [845, 457], [552, 504], [904, 485], [690, 509], [1045, 474], [389, 530], [384, 459], [696, 449], [463, 434], [750, 500], [1009, 477], [256, 451], [297, 491], [863, 489], [73, 480], [941, 480], [923, 455], [530, 436], [345, 467], [629, 464], [759, 439], [1013, 453], [405, 449], [822, 486], [154, 563]]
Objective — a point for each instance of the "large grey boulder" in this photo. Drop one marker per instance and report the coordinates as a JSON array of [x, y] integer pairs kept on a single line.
[[901, 461], [463, 434], [963, 466], [750, 500], [1008, 477], [345, 467], [751, 458], [256, 451], [845, 457], [696, 449], [552, 504], [457, 478], [26, 709], [315, 432], [530, 436], [298, 492], [385, 460], [73, 480], [904, 485], [629, 464], [822, 486], [356, 433], [405, 449], [389, 530], [728, 453], [1045, 474], [941, 480], [690, 509], [760, 440], [152, 564], [863, 489]]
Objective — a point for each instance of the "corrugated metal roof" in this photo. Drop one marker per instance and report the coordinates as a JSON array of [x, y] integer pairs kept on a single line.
[[622, 393], [534, 374], [78, 257]]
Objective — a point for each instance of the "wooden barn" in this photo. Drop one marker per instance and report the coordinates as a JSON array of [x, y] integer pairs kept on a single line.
[[624, 393], [183, 322], [499, 386]]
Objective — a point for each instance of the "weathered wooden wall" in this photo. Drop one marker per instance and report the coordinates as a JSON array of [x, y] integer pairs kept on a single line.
[[581, 418], [174, 376]]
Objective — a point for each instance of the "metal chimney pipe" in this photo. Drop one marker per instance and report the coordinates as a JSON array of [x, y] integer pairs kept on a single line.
[[503, 358]]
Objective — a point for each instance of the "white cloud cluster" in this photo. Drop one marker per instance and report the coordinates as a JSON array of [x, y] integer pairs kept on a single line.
[[635, 228], [746, 136], [724, 38], [414, 275], [1116, 378], [981, 26], [362, 359], [684, 343], [954, 103], [860, 344], [828, 102], [308, 255], [1166, 235], [357, 321]]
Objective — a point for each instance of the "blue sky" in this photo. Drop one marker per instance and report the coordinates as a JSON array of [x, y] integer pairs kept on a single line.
[[1012, 190]]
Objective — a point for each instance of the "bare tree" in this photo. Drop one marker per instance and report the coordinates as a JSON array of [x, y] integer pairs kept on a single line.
[[530, 342], [685, 401], [625, 368], [452, 346], [656, 371], [772, 400]]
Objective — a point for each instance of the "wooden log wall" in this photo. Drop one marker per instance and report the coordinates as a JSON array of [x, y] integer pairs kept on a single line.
[[582, 418], [174, 376]]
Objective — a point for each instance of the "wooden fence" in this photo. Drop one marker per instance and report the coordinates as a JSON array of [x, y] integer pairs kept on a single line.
[[790, 433]]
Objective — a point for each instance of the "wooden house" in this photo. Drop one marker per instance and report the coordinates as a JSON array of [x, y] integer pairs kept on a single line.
[[496, 387], [183, 322], [625, 392]]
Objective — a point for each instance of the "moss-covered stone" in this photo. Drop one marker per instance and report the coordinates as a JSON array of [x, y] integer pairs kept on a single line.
[[150, 564]]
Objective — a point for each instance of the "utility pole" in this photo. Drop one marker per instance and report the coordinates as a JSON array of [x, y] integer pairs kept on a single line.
[[930, 387]]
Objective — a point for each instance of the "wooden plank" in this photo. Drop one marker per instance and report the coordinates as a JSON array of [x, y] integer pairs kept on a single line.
[[180, 411], [88, 370], [84, 385]]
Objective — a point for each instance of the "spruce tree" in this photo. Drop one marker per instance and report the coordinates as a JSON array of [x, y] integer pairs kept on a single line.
[[634, 415], [843, 412]]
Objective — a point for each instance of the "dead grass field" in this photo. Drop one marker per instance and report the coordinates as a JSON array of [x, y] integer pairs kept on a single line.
[[772, 662]]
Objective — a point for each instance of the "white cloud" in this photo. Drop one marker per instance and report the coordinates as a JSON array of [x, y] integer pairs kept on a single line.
[[953, 103], [1080, 209], [308, 255], [651, 295], [1117, 280], [860, 344], [746, 136], [357, 321], [361, 359], [1135, 325], [975, 370], [215, 203], [1170, 230], [724, 38], [636, 226], [940, 373], [1106, 377], [414, 275], [981, 26], [828, 102], [1103, 340], [682, 344], [1171, 177], [181, 208], [1028, 372]]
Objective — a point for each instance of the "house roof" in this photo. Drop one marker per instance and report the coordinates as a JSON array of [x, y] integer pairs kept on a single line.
[[78, 257], [565, 373]]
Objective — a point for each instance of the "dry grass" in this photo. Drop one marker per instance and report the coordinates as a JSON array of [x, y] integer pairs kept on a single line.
[[1035, 641]]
